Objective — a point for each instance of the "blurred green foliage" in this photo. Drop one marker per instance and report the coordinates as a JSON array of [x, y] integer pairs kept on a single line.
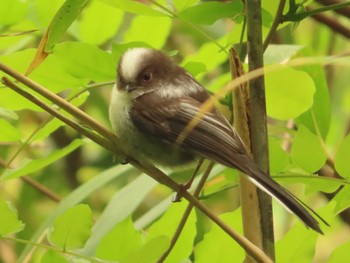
[[134, 219]]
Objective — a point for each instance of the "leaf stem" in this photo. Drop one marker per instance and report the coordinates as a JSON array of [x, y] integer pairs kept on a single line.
[[278, 19], [26, 242], [95, 137], [175, 15], [76, 112], [187, 213], [295, 17]]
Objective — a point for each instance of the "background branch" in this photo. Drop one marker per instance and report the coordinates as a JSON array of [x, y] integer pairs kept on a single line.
[[258, 122], [343, 11], [276, 21], [332, 23]]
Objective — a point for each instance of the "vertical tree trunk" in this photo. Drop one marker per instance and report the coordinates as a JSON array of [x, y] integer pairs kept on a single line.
[[258, 127]]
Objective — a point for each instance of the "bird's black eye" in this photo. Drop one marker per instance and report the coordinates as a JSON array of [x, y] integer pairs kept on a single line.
[[147, 77]]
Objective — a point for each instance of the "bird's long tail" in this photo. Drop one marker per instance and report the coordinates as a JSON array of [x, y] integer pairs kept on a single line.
[[265, 183]]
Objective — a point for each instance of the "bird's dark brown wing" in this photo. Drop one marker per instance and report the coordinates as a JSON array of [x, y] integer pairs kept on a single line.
[[211, 137]]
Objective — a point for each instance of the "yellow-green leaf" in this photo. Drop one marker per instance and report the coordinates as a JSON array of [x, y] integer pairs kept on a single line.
[[289, 92], [9, 219], [72, 229], [307, 151]]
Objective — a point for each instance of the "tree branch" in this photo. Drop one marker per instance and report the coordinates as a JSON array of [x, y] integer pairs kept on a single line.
[[332, 23], [277, 20], [343, 11], [186, 214], [258, 120]]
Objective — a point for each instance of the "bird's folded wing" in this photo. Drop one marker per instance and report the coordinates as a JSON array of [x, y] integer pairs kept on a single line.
[[182, 122]]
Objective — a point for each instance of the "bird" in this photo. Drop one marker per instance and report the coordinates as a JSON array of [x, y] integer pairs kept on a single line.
[[152, 105]]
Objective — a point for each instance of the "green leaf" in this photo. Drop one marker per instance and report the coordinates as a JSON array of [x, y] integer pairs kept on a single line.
[[321, 103], [209, 54], [298, 245], [11, 100], [340, 254], [49, 128], [322, 184], [77, 196], [289, 92], [143, 28], [134, 7], [182, 4], [158, 210], [122, 241], [207, 13], [219, 82], [8, 133], [307, 151], [279, 159], [8, 114], [12, 11], [9, 219], [50, 74], [30, 166], [342, 158], [266, 20], [120, 206], [53, 76], [150, 252], [17, 60], [99, 23], [65, 16], [194, 68], [320, 112], [234, 36], [276, 54], [55, 123], [314, 183], [52, 256], [166, 226], [86, 61], [45, 10], [119, 49], [217, 246], [10, 44], [342, 200], [73, 228]]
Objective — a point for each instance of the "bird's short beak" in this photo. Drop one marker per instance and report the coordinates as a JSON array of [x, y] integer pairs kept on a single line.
[[130, 87]]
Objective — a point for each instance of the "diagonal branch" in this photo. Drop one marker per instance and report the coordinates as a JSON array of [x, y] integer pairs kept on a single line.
[[332, 23]]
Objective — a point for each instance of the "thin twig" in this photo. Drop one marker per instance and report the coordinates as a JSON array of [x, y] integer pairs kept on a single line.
[[175, 15], [76, 112], [332, 23], [296, 17], [186, 214], [48, 247], [19, 33], [43, 189], [35, 184], [343, 11], [278, 19], [93, 136]]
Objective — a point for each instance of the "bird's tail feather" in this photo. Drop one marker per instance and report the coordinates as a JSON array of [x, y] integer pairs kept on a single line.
[[265, 183]]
